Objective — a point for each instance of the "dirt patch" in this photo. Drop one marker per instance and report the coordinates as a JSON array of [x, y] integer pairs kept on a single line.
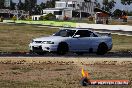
[[60, 73]]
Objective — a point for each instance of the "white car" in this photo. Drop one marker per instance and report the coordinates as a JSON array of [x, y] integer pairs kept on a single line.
[[72, 40]]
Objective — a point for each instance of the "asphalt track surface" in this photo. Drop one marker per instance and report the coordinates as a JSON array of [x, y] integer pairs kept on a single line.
[[109, 55]]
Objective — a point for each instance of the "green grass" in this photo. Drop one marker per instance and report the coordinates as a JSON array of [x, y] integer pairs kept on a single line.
[[16, 37], [53, 23]]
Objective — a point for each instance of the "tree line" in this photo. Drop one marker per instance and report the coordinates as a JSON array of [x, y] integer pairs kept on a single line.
[[34, 8], [28, 5]]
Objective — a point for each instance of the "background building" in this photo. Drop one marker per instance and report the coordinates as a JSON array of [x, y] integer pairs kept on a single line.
[[70, 8]]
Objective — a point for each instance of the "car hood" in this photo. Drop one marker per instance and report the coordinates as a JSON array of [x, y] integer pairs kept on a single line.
[[50, 38]]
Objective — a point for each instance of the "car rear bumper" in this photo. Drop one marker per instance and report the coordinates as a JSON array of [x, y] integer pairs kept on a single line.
[[110, 47]]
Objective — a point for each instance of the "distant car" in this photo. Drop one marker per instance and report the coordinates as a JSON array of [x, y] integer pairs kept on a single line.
[[67, 40]]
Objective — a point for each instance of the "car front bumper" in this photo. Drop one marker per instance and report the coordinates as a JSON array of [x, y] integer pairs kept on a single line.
[[42, 47]]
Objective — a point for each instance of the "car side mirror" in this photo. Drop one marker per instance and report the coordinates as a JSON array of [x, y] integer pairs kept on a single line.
[[76, 36]]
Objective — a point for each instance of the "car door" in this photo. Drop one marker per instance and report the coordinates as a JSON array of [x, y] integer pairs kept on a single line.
[[94, 41], [82, 43]]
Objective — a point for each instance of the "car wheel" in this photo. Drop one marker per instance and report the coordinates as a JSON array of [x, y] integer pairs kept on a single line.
[[62, 48], [102, 49]]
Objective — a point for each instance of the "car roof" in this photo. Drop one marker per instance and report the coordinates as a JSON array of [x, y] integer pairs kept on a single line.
[[76, 29]]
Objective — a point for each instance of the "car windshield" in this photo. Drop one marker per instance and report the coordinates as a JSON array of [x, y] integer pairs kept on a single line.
[[65, 33]]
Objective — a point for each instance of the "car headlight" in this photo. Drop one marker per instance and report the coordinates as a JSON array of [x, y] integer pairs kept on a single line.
[[48, 42]]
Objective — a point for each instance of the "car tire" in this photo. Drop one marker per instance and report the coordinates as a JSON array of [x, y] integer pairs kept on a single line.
[[62, 48], [102, 49]]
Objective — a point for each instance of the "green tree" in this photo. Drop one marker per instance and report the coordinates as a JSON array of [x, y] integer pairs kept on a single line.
[[43, 5], [126, 2], [1, 4], [29, 5], [97, 4], [105, 7], [20, 5], [12, 5], [108, 5], [129, 13], [111, 4], [51, 3], [87, 0], [37, 10], [117, 13]]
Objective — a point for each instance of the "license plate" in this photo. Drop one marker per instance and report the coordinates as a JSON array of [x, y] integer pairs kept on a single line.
[[36, 46]]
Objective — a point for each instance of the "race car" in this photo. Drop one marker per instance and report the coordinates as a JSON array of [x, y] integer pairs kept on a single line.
[[75, 40]]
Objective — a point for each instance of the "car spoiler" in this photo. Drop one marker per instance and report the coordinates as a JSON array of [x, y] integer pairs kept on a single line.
[[109, 34]]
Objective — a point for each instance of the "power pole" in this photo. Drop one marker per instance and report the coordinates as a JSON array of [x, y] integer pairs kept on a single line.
[[80, 8], [80, 14], [16, 7]]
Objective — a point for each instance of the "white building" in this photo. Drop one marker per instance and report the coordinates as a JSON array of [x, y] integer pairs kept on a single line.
[[60, 13], [36, 17], [70, 8]]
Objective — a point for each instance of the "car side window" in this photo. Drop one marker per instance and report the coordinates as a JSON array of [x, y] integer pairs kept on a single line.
[[83, 33], [93, 35]]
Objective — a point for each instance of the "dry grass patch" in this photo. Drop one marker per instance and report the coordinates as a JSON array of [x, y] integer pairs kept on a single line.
[[16, 37], [56, 73], [122, 43], [114, 22]]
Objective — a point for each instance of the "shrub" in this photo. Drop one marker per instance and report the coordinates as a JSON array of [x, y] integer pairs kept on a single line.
[[90, 18], [1, 19], [14, 18], [41, 18], [29, 18], [49, 16], [66, 18]]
